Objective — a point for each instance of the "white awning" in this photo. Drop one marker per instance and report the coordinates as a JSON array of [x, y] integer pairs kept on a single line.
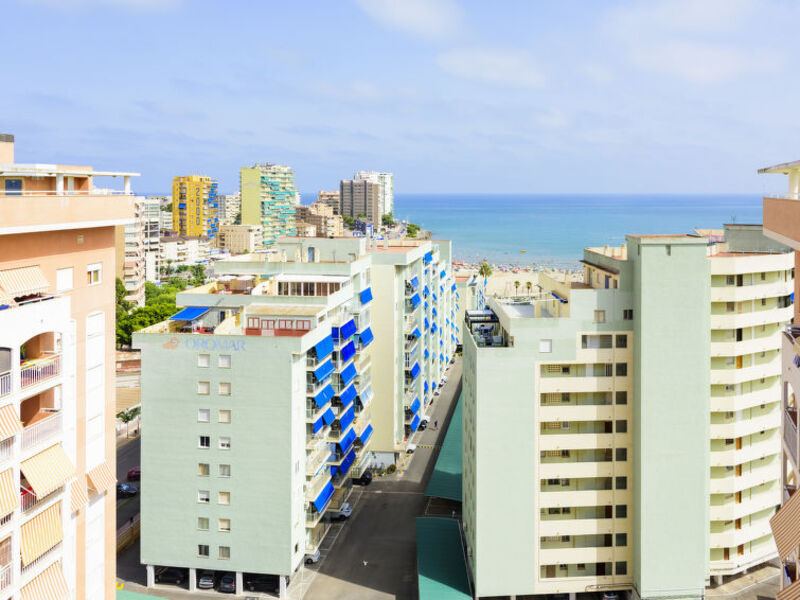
[[22, 281]]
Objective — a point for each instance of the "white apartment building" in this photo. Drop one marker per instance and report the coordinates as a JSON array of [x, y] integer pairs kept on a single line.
[[386, 193]]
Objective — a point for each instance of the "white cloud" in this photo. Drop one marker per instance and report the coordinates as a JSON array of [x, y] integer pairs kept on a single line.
[[493, 66], [685, 16], [427, 18]]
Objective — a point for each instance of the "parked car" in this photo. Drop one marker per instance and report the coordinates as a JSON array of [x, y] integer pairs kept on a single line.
[[227, 584], [411, 448], [125, 490], [135, 474], [170, 575], [610, 596], [312, 558], [205, 581], [424, 420], [343, 513], [262, 583], [365, 479]]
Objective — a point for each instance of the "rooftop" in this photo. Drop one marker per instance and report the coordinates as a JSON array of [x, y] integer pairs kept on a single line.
[[783, 168], [49, 170]]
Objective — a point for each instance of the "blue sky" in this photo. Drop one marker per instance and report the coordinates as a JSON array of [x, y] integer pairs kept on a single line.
[[452, 95]]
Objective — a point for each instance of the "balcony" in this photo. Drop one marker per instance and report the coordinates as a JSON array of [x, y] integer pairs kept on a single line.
[[736, 537], [5, 384], [6, 576], [45, 559], [316, 535], [746, 454], [731, 511], [734, 429], [583, 441], [734, 320], [42, 430], [37, 370], [30, 501], [755, 291], [730, 483], [573, 470], [584, 498], [732, 376], [751, 346], [732, 401]]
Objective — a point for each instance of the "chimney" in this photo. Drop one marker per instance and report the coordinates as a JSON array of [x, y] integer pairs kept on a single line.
[[6, 149]]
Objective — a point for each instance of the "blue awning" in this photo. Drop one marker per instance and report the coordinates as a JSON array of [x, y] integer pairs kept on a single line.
[[441, 288], [435, 313], [415, 371], [325, 495], [425, 385], [416, 332], [441, 343], [347, 395], [318, 424], [433, 328], [559, 298], [324, 347], [414, 282], [441, 357], [328, 417], [347, 441], [447, 320], [323, 371], [453, 287], [365, 435], [348, 374], [366, 295], [458, 295], [348, 351], [435, 298], [443, 274], [190, 314], [415, 300], [452, 337], [427, 258], [425, 291], [324, 396], [427, 324], [414, 406], [347, 330], [433, 383], [347, 462], [366, 337], [346, 418], [427, 354], [414, 423], [426, 305]]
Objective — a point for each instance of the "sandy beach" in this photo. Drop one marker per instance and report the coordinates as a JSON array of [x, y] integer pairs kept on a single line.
[[503, 283]]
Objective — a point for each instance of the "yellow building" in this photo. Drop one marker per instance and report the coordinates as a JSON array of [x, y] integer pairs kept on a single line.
[[194, 206]]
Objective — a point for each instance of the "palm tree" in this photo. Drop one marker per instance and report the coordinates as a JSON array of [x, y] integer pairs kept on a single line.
[[485, 270], [528, 285], [516, 288]]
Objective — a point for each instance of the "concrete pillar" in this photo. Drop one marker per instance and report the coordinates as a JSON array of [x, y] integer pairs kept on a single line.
[[59, 185], [239, 583], [794, 182], [127, 182], [719, 579], [151, 575], [192, 580], [282, 586]]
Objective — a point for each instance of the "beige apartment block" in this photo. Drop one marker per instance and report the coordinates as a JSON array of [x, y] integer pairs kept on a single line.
[[238, 239], [332, 199], [131, 248], [323, 217], [57, 434]]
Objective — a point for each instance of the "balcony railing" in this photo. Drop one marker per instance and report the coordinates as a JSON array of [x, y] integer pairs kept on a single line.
[[790, 433], [6, 576], [43, 369], [44, 559], [31, 501], [6, 446], [42, 430], [5, 384]]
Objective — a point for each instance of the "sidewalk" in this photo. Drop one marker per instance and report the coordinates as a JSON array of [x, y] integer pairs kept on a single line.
[[763, 581]]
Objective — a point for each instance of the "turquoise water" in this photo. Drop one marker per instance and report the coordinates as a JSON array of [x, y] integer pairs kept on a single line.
[[554, 229]]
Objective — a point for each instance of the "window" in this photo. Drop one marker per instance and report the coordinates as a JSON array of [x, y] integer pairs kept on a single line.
[[622, 341], [94, 273], [622, 539], [763, 302], [622, 511], [64, 279], [622, 369], [545, 346], [203, 496], [202, 469], [564, 397], [225, 525], [203, 415], [581, 566], [224, 470], [599, 316], [627, 314], [202, 523], [203, 360], [202, 550], [621, 568], [730, 307], [622, 454], [225, 416], [729, 280], [204, 442], [763, 277], [224, 388], [553, 482], [224, 443], [565, 483], [224, 361], [622, 426], [622, 483], [622, 397], [224, 552], [565, 454], [203, 388], [728, 441], [224, 498]]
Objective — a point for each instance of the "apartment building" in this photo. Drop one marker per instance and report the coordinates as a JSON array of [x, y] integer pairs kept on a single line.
[[415, 336], [194, 206], [57, 265], [130, 259], [177, 250], [358, 197], [323, 217], [782, 223], [257, 402], [230, 205], [386, 192], [622, 386], [237, 239], [152, 238], [332, 199], [269, 198]]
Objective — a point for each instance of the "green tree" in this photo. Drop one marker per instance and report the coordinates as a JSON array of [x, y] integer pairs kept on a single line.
[[388, 219], [516, 287], [412, 230], [348, 221], [485, 270], [528, 285], [126, 416], [167, 207], [237, 220]]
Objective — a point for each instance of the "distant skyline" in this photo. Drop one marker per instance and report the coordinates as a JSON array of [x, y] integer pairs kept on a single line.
[[670, 96]]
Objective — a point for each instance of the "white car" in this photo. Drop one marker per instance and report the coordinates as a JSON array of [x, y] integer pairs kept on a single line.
[[411, 448], [312, 558], [343, 513]]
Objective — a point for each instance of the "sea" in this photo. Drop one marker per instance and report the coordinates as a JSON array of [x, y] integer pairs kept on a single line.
[[552, 230]]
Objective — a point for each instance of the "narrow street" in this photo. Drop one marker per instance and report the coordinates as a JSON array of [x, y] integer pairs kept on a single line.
[[128, 456]]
